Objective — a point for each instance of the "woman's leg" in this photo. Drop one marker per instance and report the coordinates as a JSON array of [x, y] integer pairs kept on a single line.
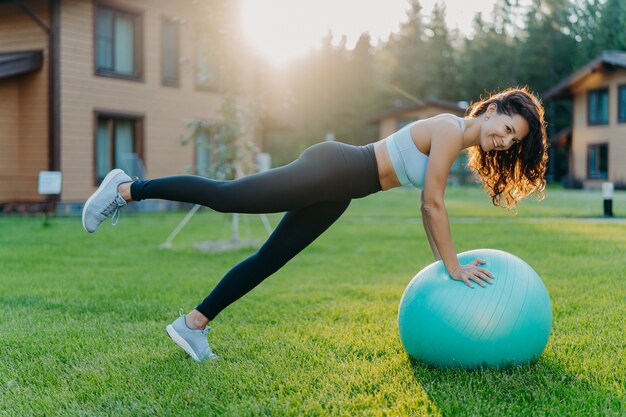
[[318, 175], [328, 171], [295, 232]]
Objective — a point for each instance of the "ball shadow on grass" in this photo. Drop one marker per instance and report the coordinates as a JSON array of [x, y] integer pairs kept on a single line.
[[539, 388]]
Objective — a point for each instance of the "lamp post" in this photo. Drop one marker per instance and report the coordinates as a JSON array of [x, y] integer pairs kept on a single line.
[[607, 194]]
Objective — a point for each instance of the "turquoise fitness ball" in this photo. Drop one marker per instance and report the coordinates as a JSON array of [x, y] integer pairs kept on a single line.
[[447, 324]]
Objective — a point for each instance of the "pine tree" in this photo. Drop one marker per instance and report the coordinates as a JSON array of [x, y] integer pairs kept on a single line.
[[547, 46], [438, 72], [361, 91], [408, 52], [611, 30], [485, 60]]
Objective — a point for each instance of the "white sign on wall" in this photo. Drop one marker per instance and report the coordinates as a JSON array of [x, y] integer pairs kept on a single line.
[[50, 182], [263, 161]]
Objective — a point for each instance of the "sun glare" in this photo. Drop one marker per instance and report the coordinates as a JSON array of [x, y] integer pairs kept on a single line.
[[277, 29], [282, 30]]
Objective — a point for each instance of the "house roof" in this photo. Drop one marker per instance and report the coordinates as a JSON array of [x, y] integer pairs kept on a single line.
[[23, 62], [453, 106], [606, 60]]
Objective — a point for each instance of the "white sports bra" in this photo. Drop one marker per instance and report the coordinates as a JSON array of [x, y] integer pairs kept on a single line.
[[407, 160]]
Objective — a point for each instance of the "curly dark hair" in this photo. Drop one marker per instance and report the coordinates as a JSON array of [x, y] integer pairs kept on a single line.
[[519, 171]]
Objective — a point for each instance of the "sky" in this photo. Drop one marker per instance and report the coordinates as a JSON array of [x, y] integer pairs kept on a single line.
[[282, 30]]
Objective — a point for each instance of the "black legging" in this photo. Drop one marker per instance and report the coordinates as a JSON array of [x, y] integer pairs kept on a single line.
[[314, 190]]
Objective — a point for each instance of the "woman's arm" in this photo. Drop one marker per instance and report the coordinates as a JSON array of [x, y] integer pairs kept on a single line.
[[446, 143], [429, 235]]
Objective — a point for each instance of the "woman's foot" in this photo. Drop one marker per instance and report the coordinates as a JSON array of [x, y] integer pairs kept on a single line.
[[193, 341], [124, 190], [106, 201]]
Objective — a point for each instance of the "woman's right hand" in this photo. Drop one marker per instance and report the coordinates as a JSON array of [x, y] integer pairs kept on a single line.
[[472, 272]]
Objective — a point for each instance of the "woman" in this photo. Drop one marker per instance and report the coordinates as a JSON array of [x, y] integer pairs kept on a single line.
[[506, 140]]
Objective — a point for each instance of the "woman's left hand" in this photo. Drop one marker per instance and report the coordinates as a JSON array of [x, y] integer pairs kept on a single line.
[[473, 272]]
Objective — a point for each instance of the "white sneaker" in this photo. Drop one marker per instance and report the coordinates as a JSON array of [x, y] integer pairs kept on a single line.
[[105, 202], [192, 341]]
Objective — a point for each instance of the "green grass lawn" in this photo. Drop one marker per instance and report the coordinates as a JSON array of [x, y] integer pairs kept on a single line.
[[82, 317]]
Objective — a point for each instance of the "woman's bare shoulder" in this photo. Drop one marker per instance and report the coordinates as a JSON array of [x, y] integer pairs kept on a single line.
[[444, 125], [442, 128], [442, 122], [445, 119]]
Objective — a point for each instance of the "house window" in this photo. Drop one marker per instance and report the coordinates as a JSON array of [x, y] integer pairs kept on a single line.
[[213, 158], [170, 52], [598, 161], [598, 107], [621, 104], [203, 154], [118, 143], [118, 43], [207, 71]]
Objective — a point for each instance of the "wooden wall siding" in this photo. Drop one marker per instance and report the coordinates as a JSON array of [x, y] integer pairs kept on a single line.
[[165, 109], [9, 130], [23, 107], [614, 133]]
